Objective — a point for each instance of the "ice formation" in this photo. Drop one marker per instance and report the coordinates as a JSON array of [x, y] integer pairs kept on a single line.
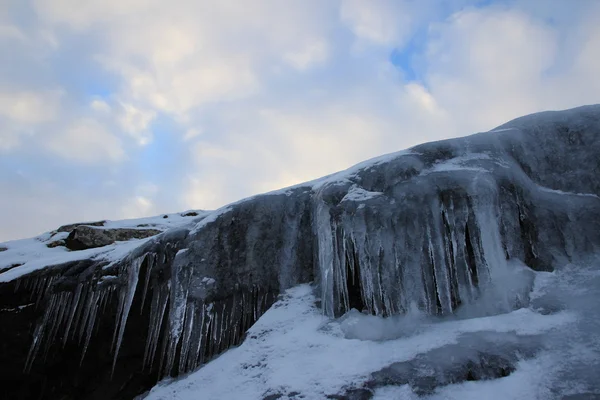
[[437, 228]]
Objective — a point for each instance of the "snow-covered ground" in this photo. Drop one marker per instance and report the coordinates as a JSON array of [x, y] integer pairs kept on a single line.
[[296, 352], [20, 257]]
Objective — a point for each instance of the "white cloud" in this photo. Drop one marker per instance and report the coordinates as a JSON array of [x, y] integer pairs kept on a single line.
[[138, 207], [377, 21], [391, 23], [136, 122], [11, 32], [487, 66], [274, 93], [100, 106], [30, 107], [269, 149], [21, 113], [312, 54], [86, 141], [192, 133], [206, 193], [178, 56]]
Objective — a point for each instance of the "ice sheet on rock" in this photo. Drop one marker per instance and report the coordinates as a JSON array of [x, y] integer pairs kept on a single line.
[[468, 162], [437, 251], [358, 194]]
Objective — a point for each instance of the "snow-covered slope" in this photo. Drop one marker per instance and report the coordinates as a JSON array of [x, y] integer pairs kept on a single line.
[[294, 352], [452, 235]]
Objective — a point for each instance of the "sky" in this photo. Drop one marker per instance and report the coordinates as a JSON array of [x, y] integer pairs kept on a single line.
[[113, 109]]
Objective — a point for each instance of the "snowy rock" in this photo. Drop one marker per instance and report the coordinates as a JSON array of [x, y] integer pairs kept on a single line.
[[438, 229], [70, 227], [471, 359], [84, 237]]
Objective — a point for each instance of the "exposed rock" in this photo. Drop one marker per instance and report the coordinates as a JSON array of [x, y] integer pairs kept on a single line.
[[87, 237], [70, 227], [583, 396], [274, 396], [3, 249], [471, 359], [10, 267], [56, 243], [190, 214], [353, 394]]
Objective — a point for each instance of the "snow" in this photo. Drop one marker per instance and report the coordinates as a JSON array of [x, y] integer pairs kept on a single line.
[[359, 194], [293, 347], [461, 163], [24, 256], [548, 190], [212, 217]]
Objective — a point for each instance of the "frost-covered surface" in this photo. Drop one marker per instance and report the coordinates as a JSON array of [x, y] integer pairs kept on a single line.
[[27, 255], [293, 348]]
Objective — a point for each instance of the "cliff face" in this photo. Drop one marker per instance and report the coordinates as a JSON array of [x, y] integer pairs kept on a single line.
[[435, 227]]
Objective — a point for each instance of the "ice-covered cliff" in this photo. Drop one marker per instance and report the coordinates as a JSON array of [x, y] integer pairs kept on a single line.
[[441, 228]]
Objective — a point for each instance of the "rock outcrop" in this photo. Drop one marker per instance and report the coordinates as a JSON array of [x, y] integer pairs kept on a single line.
[[84, 237], [69, 228], [434, 227]]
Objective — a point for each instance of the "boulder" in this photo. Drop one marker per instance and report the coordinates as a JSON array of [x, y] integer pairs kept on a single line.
[[70, 227], [87, 237]]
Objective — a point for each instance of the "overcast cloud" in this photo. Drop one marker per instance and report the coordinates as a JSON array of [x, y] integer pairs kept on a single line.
[[123, 108]]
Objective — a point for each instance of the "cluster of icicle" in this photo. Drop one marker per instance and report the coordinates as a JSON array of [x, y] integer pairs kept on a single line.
[[434, 255], [188, 330]]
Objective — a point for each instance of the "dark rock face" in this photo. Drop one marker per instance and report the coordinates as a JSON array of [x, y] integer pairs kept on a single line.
[[435, 226], [84, 237], [353, 394], [469, 360]]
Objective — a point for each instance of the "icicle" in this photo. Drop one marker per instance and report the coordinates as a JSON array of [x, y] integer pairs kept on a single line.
[[440, 269], [132, 273], [157, 312], [150, 260], [62, 304], [74, 305], [324, 233], [17, 285], [39, 334], [87, 308], [190, 314], [197, 356], [93, 305]]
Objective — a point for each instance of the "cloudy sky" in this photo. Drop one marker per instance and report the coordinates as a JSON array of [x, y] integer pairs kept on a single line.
[[126, 108]]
